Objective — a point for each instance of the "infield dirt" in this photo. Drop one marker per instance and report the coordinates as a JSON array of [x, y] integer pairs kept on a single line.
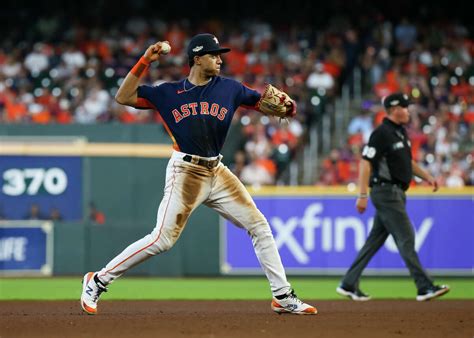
[[242, 319]]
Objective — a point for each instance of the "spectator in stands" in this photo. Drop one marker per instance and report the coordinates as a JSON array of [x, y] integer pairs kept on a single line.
[[283, 135], [34, 213], [455, 177], [55, 215], [12, 66], [320, 79], [260, 171], [361, 125], [260, 145], [37, 60], [94, 106], [239, 163], [73, 58], [406, 34], [95, 215]]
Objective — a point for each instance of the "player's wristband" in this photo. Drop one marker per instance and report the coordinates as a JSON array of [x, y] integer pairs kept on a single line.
[[363, 195], [141, 67]]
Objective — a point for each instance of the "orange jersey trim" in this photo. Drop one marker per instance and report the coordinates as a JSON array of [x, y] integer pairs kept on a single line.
[[145, 104], [175, 144]]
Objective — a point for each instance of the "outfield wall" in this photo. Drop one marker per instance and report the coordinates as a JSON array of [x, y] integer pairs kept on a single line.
[[316, 233]]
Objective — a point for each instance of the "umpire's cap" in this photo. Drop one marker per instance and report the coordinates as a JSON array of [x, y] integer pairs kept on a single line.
[[396, 99], [202, 44]]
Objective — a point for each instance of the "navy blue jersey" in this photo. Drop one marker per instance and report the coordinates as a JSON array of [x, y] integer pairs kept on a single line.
[[197, 117]]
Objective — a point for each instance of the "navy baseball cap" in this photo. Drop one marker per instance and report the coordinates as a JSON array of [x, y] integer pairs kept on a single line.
[[396, 99], [202, 44]]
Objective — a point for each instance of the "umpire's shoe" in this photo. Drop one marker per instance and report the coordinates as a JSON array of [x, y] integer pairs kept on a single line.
[[92, 288], [353, 293], [432, 292], [290, 303]]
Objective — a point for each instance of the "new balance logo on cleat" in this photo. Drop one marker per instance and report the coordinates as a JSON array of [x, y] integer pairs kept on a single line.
[[292, 307], [89, 291]]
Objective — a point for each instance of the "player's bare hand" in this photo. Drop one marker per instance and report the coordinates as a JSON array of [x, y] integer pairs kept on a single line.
[[361, 204], [154, 51], [434, 183]]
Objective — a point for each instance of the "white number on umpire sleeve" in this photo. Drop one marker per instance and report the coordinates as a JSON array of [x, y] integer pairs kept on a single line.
[[369, 152]]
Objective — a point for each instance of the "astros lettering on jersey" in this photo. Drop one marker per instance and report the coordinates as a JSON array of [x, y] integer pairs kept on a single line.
[[199, 118]]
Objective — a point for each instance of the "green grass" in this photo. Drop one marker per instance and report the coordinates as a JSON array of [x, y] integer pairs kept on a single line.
[[61, 288]]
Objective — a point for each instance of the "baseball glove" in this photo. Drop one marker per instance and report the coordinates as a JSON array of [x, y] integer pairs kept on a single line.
[[276, 103]]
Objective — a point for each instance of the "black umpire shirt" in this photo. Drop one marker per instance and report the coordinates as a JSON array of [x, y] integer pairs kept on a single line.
[[389, 152]]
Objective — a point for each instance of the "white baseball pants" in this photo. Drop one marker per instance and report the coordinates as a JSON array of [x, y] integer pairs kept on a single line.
[[187, 186]]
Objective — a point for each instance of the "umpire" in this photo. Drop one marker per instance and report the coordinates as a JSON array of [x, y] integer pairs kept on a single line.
[[387, 161]]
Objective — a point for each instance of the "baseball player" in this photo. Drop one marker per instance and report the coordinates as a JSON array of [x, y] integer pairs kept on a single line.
[[197, 112]]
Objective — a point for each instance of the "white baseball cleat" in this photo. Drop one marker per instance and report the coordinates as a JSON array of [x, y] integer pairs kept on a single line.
[[92, 288], [290, 303], [354, 294]]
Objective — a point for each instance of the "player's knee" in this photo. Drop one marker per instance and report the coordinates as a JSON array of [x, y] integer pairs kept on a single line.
[[162, 244], [260, 230], [167, 242]]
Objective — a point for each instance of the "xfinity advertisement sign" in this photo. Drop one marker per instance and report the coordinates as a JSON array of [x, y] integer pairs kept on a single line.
[[323, 235]]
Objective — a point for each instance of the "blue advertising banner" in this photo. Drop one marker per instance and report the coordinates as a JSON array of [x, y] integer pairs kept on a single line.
[[323, 235], [26, 248], [49, 182]]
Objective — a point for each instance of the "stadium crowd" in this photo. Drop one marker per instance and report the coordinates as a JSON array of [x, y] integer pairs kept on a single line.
[[69, 73]]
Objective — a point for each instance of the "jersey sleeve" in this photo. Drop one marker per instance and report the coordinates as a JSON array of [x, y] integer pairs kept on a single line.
[[376, 147], [144, 97], [248, 97]]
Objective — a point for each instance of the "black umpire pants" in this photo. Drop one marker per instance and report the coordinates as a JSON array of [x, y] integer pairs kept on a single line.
[[390, 218]]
